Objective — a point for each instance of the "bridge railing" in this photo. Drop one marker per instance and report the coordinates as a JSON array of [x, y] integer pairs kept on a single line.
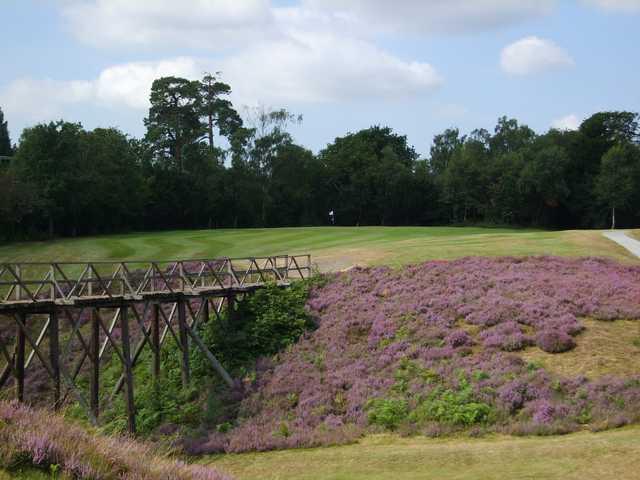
[[69, 282]]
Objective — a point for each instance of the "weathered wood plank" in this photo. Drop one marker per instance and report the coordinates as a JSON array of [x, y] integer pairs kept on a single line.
[[54, 355], [94, 352], [184, 343], [128, 372], [20, 359]]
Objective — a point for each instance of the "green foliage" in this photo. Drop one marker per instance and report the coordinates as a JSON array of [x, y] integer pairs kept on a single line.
[[62, 178], [617, 182], [264, 323], [174, 117], [457, 407], [387, 413]]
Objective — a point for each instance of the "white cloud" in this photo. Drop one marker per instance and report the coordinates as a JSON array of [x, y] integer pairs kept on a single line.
[[324, 67], [281, 56], [223, 24], [125, 85], [201, 24], [427, 16], [533, 55], [569, 122], [311, 68], [617, 5], [40, 100], [129, 84]]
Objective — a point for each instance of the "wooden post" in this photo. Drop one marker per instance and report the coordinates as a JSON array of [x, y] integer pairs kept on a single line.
[[18, 286], [184, 342], [212, 359], [231, 308], [94, 351], [205, 310], [19, 359], [54, 355], [155, 339], [128, 373]]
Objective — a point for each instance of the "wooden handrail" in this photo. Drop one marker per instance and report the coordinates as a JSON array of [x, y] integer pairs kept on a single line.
[[68, 282]]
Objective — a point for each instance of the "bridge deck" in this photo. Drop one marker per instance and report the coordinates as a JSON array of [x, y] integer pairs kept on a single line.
[[34, 287]]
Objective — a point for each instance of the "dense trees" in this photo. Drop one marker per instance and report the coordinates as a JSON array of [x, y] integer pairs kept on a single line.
[[201, 166], [619, 177], [368, 178]]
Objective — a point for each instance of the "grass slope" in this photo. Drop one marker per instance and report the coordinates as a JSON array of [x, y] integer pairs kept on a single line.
[[333, 248], [579, 456]]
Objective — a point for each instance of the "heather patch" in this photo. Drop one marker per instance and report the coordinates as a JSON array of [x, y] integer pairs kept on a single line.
[[436, 348], [34, 438]]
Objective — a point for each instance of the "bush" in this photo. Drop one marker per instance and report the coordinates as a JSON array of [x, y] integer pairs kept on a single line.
[[554, 341], [456, 407], [387, 413], [265, 323]]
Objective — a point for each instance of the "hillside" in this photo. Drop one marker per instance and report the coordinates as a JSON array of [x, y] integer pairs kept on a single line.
[[444, 347]]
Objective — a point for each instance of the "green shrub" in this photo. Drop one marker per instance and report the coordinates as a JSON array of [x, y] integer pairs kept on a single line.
[[388, 413], [457, 407], [264, 323]]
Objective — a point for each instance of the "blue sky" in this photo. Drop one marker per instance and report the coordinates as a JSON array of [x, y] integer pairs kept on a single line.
[[419, 66]]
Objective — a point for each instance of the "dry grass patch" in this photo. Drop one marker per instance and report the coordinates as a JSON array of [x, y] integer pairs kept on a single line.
[[341, 259], [591, 243], [604, 348]]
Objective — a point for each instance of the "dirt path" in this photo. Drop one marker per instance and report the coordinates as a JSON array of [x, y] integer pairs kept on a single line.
[[621, 238]]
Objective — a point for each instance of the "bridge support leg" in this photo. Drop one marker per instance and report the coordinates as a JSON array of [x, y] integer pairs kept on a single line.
[[231, 308], [184, 342], [54, 356], [128, 372], [205, 310], [155, 340], [19, 358], [94, 351]]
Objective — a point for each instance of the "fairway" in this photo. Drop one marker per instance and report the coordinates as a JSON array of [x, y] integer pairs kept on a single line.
[[579, 456], [333, 248]]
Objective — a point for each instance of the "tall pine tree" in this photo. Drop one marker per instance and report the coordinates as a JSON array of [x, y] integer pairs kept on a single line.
[[5, 141]]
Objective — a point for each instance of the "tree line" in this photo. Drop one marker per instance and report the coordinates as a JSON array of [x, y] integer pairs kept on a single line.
[[201, 165]]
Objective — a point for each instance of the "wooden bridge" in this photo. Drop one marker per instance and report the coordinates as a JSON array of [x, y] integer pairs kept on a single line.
[[65, 314]]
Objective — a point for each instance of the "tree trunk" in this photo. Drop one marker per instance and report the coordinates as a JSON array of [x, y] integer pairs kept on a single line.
[[179, 156], [210, 132], [613, 218]]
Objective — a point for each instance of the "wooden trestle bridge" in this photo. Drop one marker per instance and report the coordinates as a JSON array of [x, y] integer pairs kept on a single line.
[[71, 317]]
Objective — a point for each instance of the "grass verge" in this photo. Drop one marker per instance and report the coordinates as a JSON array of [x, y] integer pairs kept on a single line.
[[579, 456]]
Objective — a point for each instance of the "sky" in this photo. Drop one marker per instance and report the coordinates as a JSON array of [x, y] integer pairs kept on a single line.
[[418, 66]]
